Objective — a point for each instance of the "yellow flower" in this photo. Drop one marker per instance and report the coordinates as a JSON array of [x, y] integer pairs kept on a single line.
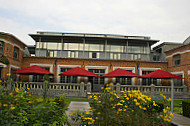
[[98, 113], [164, 110], [99, 102], [126, 106], [87, 112], [8, 74], [172, 115], [144, 108], [12, 107], [11, 94], [25, 92], [127, 98], [28, 88], [137, 103], [102, 88], [17, 90], [0, 80], [5, 105], [29, 101], [96, 118], [169, 99]]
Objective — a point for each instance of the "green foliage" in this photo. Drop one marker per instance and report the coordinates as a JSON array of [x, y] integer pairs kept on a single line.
[[129, 108], [18, 108], [4, 59], [45, 86], [186, 108]]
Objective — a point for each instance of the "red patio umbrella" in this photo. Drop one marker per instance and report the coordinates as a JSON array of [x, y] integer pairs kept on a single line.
[[78, 71], [120, 73], [160, 74], [33, 70]]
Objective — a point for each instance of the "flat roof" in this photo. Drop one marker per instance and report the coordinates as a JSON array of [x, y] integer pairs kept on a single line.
[[56, 36]]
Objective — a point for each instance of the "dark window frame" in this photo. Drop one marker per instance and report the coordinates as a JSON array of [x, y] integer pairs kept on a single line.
[[16, 53], [1, 47], [177, 60]]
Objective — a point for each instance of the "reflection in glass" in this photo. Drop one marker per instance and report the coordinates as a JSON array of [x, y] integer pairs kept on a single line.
[[73, 46], [52, 46]]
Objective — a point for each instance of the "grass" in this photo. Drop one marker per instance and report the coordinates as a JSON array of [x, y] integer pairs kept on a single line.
[[67, 100], [177, 105]]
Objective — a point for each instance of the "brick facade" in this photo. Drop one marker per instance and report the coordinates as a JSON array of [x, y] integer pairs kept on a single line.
[[10, 42], [184, 66], [110, 64]]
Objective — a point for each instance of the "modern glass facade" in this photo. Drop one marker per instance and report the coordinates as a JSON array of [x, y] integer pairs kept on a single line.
[[93, 46]]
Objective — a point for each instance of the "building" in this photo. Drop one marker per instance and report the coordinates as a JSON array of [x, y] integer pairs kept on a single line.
[[98, 53], [178, 62], [159, 50], [11, 51]]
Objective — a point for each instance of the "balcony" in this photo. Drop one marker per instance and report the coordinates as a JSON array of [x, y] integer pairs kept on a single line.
[[93, 55]]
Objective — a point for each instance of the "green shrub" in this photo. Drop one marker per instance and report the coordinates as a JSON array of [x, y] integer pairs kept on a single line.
[[186, 108], [18, 108]]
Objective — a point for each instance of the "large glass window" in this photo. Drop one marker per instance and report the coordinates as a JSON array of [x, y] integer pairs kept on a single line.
[[73, 54], [52, 46], [178, 82], [115, 56], [1, 47], [115, 48], [97, 80], [124, 80], [67, 79], [137, 48], [95, 47], [73, 46], [16, 52], [148, 81], [177, 60]]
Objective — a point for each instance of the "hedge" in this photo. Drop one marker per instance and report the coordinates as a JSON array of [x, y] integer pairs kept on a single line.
[[186, 108]]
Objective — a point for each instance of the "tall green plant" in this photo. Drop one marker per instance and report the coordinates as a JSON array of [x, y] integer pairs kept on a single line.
[[45, 86]]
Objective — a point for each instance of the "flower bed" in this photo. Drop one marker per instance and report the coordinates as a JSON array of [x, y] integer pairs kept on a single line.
[[18, 108], [129, 108]]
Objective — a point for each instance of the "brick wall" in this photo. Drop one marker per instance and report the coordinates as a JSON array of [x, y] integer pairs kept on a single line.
[[184, 66], [9, 42], [91, 62]]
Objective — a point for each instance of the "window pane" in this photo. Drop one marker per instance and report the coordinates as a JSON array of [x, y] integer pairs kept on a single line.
[[73, 46], [1, 47], [15, 53], [59, 46], [116, 48], [67, 79], [52, 46]]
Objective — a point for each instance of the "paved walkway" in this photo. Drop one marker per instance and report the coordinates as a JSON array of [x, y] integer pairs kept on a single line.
[[180, 120], [78, 106]]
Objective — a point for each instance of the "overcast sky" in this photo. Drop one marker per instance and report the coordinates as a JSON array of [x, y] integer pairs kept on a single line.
[[164, 20]]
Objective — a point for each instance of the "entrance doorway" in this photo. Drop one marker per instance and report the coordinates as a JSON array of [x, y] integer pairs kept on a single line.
[[97, 82]]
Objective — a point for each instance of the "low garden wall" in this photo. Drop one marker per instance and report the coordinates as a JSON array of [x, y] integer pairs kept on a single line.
[[84, 90]]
